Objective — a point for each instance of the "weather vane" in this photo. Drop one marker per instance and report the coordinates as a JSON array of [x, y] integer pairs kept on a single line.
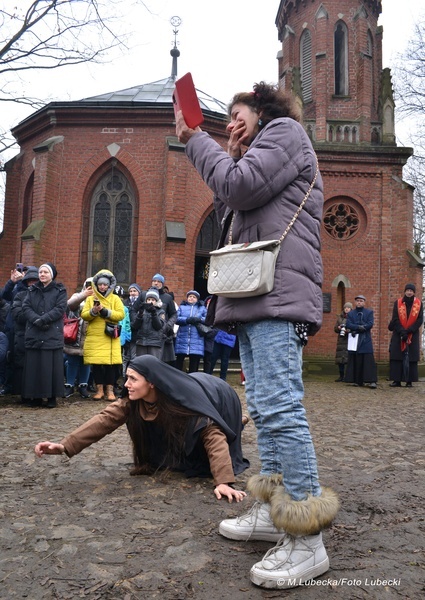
[[175, 22]]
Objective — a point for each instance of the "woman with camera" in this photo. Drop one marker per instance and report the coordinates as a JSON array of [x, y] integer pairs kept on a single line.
[[341, 357], [102, 347]]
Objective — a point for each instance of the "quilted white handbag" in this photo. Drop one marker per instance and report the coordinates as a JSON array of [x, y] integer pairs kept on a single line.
[[247, 269], [243, 270]]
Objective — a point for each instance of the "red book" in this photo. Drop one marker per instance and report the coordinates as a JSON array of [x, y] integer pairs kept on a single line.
[[186, 100]]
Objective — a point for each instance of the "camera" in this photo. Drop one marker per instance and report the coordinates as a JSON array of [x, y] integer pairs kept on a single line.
[[342, 330]]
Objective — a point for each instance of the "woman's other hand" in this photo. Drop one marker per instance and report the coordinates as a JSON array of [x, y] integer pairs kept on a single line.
[[183, 132], [48, 448], [238, 138], [228, 492]]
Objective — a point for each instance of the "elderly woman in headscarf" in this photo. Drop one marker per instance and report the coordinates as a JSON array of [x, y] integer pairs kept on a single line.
[[43, 309], [187, 422]]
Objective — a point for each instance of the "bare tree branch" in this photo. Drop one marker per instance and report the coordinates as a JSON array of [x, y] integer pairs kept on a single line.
[[409, 87], [50, 34]]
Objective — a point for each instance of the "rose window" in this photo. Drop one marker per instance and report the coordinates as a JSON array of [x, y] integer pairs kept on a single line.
[[341, 221]]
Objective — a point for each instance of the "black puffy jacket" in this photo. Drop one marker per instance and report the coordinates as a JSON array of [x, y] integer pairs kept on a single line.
[[49, 305]]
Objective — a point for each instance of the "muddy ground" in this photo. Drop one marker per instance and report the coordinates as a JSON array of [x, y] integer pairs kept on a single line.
[[83, 528]]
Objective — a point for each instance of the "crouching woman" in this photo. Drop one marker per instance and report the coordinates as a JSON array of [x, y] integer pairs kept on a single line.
[[191, 423]]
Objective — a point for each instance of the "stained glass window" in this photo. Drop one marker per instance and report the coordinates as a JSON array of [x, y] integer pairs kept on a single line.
[[110, 238]]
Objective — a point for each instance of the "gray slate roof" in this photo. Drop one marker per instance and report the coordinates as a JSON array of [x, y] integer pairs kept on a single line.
[[158, 91]]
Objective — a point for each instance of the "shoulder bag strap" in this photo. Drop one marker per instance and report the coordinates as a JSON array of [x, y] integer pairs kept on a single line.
[[294, 218]]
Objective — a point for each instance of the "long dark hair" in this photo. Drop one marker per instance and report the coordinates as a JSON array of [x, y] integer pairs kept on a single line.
[[270, 101], [173, 420]]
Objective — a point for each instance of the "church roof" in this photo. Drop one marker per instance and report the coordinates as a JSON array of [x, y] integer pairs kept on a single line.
[[160, 92]]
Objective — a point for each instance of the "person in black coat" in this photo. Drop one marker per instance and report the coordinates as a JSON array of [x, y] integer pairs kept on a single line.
[[19, 325], [148, 324], [44, 308], [361, 366], [406, 321], [169, 307]]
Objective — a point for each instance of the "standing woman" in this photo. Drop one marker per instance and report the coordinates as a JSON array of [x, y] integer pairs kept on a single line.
[[405, 341], [341, 356], [76, 369], [19, 326], [189, 342], [102, 351], [43, 308], [261, 181]]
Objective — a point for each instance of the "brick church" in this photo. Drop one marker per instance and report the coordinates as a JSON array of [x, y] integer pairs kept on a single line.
[[104, 182]]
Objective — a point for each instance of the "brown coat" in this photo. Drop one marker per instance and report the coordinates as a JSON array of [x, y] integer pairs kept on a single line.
[[116, 414]]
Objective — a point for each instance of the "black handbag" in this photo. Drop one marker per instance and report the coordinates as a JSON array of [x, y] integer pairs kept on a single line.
[[113, 329], [203, 329]]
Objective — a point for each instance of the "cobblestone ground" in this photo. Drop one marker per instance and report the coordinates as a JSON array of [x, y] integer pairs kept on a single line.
[[83, 528]]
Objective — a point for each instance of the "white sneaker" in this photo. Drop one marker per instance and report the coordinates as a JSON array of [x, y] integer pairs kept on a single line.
[[254, 525], [293, 561]]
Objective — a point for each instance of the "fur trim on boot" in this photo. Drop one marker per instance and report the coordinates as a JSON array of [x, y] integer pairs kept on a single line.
[[304, 517], [262, 486]]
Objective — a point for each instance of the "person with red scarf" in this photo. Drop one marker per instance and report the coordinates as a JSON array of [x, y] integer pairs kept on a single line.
[[405, 341]]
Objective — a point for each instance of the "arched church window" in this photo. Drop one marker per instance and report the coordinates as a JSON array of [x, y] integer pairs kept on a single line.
[[306, 66], [375, 138], [207, 240], [369, 44], [27, 208], [111, 216], [341, 59], [209, 235], [340, 297]]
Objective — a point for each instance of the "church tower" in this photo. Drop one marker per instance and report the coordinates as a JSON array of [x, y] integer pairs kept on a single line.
[[331, 59]]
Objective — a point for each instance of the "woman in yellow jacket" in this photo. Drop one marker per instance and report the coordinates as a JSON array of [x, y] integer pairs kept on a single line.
[[101, 350]]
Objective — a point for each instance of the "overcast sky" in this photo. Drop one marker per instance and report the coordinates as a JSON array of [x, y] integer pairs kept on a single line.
[[227, 45]]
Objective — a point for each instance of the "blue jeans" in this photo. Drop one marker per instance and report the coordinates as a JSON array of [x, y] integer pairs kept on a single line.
[[76, 369], [271, 355]]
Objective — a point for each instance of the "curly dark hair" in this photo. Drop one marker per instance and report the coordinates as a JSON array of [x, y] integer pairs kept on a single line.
[[270, 101]]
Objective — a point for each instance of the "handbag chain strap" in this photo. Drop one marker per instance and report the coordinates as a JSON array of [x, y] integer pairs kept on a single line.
[[294, 218]]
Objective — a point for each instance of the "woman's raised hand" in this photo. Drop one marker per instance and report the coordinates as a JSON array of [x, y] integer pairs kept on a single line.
[[183, 131]]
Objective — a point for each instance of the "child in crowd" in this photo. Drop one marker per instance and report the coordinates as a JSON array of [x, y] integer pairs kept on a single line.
[[148, 323]]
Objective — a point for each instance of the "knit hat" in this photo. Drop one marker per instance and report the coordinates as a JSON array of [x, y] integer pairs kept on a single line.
[[135, 287], [51, 267], [31, 273], [103, 279], [348, 305], [194, 292], [152, 293], [158, 277], [410, 286]]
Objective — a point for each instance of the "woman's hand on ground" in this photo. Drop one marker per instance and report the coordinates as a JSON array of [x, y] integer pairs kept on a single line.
[[224, 490], [48, 448]]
